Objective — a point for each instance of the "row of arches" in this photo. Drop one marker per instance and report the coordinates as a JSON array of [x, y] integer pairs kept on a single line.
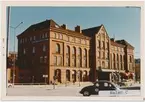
[[71, 76]]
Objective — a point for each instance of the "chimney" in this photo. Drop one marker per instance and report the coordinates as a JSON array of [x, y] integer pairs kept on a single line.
[[78, 29], [64, 26]]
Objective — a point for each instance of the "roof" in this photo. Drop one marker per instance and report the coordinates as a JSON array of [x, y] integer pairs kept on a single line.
[[91, 31], [114, 43], [124, 42], [51, 24], [41, 25]]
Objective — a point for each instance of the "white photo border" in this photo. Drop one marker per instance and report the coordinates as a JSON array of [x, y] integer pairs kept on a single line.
[[67, 4]]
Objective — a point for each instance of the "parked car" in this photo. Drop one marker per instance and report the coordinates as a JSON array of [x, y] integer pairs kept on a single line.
[[102, 88]]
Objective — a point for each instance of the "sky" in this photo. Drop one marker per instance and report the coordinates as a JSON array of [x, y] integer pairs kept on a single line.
[[120, 22]]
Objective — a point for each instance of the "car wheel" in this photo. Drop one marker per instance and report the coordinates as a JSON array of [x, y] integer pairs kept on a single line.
[[86, 93]]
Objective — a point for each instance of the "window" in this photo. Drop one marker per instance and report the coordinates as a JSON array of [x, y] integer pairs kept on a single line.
[[85, 58], [121, 58], [73, 62], [99, 64], [60, 36], [34, 38], [67, 38], [73, 50], [74, 56], [21, 41], [30, 38], [55, 60], [98, 54], [107, 56], [24, 51], [25, 39], [130, 59], [57, 48], [106, 84], [41, 59], [57, 36], [59, 60], [103, 55], [68, 50], [67, 61], [42, 35], [44, 48], [33, 51], [46, 35], [68, 56], [45, 59], [99, 44], [107, 45], [79, 57], [117, 57], [114, 57], [103, 45], [103, 64]]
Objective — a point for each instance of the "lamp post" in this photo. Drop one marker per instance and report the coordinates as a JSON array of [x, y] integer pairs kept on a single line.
[[14, 51]]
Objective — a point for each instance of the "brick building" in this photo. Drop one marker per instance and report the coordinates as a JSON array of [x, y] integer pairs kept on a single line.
[[49, 49]]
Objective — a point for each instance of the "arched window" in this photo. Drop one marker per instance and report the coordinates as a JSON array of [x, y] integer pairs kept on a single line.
[[68, 56], [74, 56], [117, 57], [120, 58], [74, 51], [79, 57], [114, 57], [68, 50], [57, 48], [85, 58], [130, 59]]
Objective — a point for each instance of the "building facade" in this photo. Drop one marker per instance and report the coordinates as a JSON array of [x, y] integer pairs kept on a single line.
[[55, 53]]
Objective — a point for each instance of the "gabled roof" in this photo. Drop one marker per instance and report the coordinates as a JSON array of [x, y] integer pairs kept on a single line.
[[124, 42], [91, 31], [41, 25], [44, 24]]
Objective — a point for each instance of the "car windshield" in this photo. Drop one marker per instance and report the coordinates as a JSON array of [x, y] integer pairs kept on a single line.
[[117, 86]]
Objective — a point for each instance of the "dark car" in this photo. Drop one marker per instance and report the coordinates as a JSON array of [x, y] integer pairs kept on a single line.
[[97, 87]]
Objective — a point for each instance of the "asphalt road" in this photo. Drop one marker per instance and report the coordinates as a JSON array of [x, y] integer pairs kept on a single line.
[[58, 91]]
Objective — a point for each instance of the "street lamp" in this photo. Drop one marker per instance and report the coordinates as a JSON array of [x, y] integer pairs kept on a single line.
[[14, 51]]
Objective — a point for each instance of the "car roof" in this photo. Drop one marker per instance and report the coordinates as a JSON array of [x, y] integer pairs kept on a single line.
[[103, 81]]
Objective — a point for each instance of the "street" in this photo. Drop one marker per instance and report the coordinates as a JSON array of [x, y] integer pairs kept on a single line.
[[60, 90]]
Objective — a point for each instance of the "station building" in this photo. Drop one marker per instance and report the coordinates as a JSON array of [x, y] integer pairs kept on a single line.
[[53, 52]]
